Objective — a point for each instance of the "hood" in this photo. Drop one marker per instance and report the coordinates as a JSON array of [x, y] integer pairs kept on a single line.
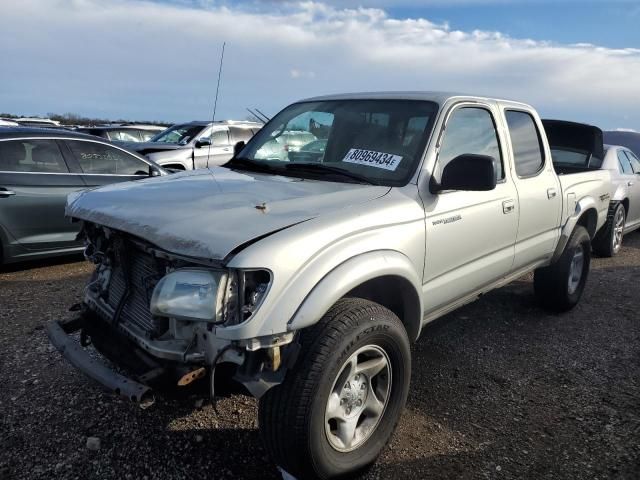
[[207, 213]]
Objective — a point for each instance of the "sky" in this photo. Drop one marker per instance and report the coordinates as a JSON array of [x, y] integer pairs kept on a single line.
[[158, 59]]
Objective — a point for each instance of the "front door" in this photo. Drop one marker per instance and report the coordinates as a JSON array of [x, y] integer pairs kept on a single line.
[[470, 235], [34, 183]]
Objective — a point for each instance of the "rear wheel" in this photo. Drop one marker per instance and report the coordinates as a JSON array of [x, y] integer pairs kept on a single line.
[[339, 405], [559, 286], [609, 240]]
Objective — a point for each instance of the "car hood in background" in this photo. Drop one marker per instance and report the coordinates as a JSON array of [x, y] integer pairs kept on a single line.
[[208, 213]]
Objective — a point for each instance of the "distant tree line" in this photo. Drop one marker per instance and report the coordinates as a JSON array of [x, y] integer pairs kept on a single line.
[[75, 119]]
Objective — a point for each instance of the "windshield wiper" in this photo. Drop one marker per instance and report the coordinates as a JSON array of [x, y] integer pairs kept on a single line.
[[250, 164], [321, 167]]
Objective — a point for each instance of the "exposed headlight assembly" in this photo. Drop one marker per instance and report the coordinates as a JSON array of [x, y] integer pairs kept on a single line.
[[190, 294], [210, 295], [245, 292]]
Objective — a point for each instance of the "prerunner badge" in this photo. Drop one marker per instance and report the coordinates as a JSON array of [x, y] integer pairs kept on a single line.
[[388, 161]]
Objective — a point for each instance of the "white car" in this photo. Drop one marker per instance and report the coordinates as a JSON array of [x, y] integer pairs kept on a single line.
[[624, 210]]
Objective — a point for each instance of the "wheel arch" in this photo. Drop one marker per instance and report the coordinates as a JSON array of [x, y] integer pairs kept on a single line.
[[585, 214], [386, 277]]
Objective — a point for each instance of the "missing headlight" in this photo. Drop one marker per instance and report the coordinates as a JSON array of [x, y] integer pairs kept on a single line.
[[246, 290]]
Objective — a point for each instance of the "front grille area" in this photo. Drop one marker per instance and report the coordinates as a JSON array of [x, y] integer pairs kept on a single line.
[[144, 272]]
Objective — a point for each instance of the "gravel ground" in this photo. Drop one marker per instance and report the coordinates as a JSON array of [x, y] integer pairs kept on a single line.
[[500, 389]]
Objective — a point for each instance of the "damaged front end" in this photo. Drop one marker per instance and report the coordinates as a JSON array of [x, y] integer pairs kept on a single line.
[[155, 315]]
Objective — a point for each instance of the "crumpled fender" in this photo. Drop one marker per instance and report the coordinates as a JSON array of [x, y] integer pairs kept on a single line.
[[354, 272]]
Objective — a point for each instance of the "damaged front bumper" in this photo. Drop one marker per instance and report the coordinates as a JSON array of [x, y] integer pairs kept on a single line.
[[59, 335]]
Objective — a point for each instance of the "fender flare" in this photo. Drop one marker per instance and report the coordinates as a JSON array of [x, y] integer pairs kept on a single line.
[[582, 207], [352, 273]]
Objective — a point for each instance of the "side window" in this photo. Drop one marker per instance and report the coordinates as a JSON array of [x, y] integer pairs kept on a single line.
[[240, 134], [145, 135], [39, 156], [104, 159], [470, 130], [635, 163], [525, 143], [220, 137], [624, 163]]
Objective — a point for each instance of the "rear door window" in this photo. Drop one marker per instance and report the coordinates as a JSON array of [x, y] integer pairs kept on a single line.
[[624, 163], [526, 143], [635, 163], [98, 158], [240, 134], [34, 156]]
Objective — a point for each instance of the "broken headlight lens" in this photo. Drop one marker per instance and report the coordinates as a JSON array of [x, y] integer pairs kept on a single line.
[[190, 294]]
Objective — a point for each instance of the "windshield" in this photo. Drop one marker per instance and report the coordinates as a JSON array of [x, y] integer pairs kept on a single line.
[[380, 141], [178, 134]]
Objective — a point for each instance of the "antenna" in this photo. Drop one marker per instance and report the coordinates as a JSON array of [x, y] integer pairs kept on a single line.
[[254, 114], [263, 114], [215, 105]]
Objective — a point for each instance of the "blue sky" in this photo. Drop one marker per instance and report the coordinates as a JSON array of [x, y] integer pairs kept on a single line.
[[611, 23], [145, 59]]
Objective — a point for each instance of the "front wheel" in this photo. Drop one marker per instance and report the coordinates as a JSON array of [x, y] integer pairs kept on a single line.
[[339, 405], [559, 286]]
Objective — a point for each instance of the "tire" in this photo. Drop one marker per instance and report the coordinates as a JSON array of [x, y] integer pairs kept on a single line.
[[559, 286], [300, 431], [608, 241]]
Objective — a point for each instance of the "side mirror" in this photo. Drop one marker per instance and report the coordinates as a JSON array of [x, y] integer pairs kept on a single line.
[[467, 172], [154, 172], [203, 142], [237, 148]]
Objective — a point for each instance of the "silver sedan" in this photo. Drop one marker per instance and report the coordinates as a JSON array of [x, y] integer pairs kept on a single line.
[[624, 211]]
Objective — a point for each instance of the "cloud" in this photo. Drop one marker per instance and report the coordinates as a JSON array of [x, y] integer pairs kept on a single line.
[[141, 59]]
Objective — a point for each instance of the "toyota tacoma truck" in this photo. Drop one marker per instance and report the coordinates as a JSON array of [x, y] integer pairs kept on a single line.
[[310, 276]]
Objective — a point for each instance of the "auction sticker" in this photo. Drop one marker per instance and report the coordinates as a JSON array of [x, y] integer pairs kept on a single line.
[[388, 161]]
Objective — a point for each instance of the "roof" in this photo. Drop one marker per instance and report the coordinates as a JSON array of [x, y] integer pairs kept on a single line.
[[23, 132], [237, 123], [122, 127], [437, 97]]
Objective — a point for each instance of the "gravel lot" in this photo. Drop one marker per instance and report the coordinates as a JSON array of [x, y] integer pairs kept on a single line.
[[500, 390]]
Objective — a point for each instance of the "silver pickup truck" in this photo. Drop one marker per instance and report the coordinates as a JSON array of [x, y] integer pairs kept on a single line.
[[310, 276]]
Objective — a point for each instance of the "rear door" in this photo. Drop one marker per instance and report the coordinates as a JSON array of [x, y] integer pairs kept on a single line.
[[539, 191], [632, 177], [34, 183], [102, 164]]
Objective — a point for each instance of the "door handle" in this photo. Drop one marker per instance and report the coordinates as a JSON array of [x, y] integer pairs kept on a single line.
[[226, 149], [6, 193], [551, 193], [630, 183], [508, 206]]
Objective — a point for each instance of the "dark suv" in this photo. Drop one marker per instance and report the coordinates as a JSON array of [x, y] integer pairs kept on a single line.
[[38, 169]]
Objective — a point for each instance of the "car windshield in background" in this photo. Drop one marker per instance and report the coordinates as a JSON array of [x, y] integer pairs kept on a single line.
[[178, 134], [376, 141], [563, 157]]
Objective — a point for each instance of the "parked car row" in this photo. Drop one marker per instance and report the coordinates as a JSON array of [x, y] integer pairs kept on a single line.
[[310, 261]]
